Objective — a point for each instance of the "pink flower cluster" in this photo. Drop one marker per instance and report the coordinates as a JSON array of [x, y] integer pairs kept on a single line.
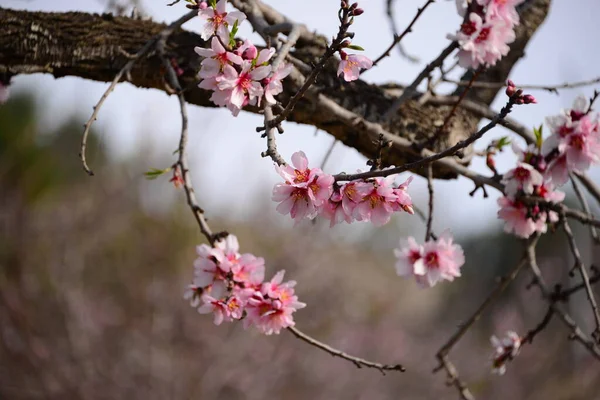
[[430, 263], [486, 32], [308, 192], [237, 73], [574, 143], [504, 351], [231, 286], [573, 146]]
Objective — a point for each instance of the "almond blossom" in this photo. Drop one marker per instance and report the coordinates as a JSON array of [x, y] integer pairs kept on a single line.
[[244, 85], [574, 144], [522, 178], [351, 65], [432, 262], [505, 350], [486, 32], [272, 84], [377, 205], [216, 58], [230, 286], [218, 21], [521, 220]]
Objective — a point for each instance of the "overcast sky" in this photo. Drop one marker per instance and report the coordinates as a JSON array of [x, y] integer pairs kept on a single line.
[[228, 149]]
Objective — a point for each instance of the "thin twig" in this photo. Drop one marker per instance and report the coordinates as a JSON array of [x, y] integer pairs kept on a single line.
[[576, 332], [590, 185], [359, 362], [389, 10], [438, 156], [412, 88], [328, 154], [442, 129], [398, 38], [484, 111], [430, 190], [549, 88], [584, 276], [586, 208], [182, 149], [453, 378], [125, 70], [312, 77]]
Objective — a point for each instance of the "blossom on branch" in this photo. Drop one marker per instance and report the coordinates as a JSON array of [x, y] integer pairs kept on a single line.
[[230, 286], [218, 21], [505, 350], [351, 65], [431, 262]]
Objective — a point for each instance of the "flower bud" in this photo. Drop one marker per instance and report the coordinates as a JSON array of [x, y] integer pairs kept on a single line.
[[510, 88], [529, 99], [358, 12]]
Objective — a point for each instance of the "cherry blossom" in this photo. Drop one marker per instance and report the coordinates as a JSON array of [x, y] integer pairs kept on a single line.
[[351, 65], [218, 21], [436, 260], [505, 350]]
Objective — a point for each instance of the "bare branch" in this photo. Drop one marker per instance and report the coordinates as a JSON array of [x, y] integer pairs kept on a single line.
[[586, 208], [430, 190], [125, 70], [584, 276], [359, 362], [549, 88], [411, 90], [398, 38]]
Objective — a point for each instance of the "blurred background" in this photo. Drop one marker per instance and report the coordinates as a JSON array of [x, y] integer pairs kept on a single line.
[[92, 270]]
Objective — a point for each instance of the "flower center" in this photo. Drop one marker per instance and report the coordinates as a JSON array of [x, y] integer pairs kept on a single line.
[[577, 142], [432, 260], [468, 28], [301, 176], [522, 174], [483, 35]]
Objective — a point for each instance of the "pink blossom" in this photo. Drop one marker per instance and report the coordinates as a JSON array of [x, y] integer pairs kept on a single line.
[[522, 178], [218, 21], [333, 209], [298, 174], [249, 270], [304, 189], [245, 85], [558, 170], [206, 267], [432, 262], [503, 9], [215, 303], [269, 316], [272, 84], [193, 294], [408, 254], [352, 193], [215, 59], [350, 65], [294, 201], [376, 205], [482, 42], [519, 220], [505, 350], [403, 200]]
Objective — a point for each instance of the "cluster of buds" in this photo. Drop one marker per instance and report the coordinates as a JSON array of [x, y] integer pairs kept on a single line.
[[486, 32], [351, 64], [308, 192], [517, 94], [231, 286]]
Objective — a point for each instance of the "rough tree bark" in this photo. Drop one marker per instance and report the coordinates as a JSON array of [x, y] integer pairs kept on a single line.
[[95, 47]]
